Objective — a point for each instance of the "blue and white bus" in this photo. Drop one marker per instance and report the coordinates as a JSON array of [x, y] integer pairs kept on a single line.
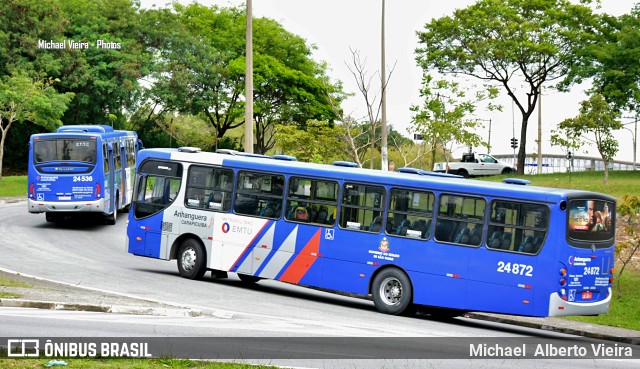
[[405, 239], [82, 168]]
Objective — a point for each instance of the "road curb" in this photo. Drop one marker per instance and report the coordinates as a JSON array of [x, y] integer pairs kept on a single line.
[[115, 309], [546, 326]]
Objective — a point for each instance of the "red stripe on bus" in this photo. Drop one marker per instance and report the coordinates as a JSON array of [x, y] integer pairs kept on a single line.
[[303, 261]]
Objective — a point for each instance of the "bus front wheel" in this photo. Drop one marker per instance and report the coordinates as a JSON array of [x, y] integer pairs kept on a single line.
[[191, 260], [392, 293]]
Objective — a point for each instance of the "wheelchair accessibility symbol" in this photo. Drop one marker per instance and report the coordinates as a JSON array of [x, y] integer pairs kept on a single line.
[[572, 295], [40, 197], [328, 234]]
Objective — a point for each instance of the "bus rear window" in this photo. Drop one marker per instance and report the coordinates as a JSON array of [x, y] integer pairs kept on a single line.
[[591, 220], [65, 150]]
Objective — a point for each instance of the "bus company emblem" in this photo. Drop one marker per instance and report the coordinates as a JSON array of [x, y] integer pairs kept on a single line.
[[225, 227], [384, 245], [578, 261]]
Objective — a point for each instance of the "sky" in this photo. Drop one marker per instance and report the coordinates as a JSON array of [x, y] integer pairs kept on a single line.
[[335, 27]]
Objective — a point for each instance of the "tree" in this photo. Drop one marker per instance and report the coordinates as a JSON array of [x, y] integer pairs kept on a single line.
[[106, 75], [597, 118], [509, 42], [612, 60], [23, 98], [22, 24], [316, 143], [200, 70], [626, 250], [372, 102], [445, 116]]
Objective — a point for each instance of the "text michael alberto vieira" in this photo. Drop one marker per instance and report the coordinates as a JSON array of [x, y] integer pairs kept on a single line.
[[547, 350]]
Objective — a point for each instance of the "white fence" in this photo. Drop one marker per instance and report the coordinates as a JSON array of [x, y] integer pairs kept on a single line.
[[560, 163]]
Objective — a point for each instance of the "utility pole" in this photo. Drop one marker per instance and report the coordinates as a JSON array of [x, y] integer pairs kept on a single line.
[[383, 99], [540, 129], [634, 137], [248, 109]]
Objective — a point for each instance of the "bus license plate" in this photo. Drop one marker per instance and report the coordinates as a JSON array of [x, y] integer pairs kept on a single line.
[[64, 197], [587, 295]]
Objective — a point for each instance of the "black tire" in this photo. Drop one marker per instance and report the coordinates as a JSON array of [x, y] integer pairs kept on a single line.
[[463, 173], [126, 208], [111, 219], [506, 171], [191, 260], [392, 293], [245, 278]]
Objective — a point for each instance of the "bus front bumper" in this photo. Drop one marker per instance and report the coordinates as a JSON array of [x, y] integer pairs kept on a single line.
[[96, 206], [560, 307]]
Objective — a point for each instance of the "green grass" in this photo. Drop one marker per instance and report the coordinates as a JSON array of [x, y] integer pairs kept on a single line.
[[12, 186], [5, 282], [624, 311], [126, 363], [620, 182], [9, 295]]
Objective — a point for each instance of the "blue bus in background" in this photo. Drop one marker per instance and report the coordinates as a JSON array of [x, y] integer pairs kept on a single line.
[[82, 168], [405, 239]]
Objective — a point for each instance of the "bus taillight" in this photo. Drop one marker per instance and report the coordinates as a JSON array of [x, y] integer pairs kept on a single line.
[[563, 272], [98, 190], [563, 281], [31, 190], [612, 271]]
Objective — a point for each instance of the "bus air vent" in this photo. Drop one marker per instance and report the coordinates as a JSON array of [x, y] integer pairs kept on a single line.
[[438, 174], [410, 170], [226, 151], [285, 157], [349, 164], [517, 181], [189, 149]]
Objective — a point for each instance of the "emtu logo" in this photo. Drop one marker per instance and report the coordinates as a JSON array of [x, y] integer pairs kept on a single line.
[[571, 260], [23, 348], [225, 227]]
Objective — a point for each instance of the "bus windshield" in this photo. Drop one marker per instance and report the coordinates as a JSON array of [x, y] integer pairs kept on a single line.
[[591, 220], [82, 150]]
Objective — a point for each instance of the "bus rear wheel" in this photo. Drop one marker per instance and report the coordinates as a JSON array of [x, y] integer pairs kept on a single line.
[[191, 260], [392, 293]]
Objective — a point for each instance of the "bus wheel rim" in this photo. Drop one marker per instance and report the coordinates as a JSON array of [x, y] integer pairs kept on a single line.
[[189, 259], [391, 291]]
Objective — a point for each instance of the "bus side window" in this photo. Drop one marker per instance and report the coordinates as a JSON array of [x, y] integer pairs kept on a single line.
[[259, 194], [521, 227], [460, 220], [207, 188], [361, 204], [410, 213], [311, 201]]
